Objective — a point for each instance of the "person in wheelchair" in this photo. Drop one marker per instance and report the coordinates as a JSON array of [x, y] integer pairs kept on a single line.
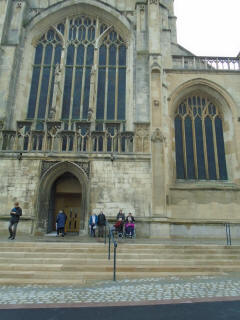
[[129, 226], [118, 227]]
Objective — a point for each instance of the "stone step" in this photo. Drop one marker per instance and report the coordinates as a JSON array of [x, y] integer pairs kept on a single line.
[[76, 271], [166, 266], [122, 255], [103, 261], [119, 250], [72, 245], [104, 276], [107, 273], [62, 263]]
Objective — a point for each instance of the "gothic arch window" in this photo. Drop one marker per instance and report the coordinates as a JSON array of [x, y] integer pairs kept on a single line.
[[47, 56], [93, 72], [200, 152]]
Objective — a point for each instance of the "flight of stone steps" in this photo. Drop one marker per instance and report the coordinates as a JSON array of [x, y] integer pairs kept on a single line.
[[65, 263]]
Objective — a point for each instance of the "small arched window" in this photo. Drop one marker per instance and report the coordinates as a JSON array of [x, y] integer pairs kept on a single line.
[[200, 152]]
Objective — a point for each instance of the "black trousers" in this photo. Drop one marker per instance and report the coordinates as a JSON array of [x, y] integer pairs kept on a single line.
[[60, 230], [101, 231]]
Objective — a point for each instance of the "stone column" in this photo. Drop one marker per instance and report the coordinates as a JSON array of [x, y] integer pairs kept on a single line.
[[158, 177], [11, 58], [140, 64], [154, 24], [156, 111]]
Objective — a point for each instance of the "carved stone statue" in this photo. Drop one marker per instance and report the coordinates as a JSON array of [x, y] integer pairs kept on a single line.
[[158, 136], [90, 113], [57, 92]]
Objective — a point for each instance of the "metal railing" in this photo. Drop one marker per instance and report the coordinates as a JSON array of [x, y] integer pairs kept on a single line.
[[206, 63], [111, 239], [228, 234]]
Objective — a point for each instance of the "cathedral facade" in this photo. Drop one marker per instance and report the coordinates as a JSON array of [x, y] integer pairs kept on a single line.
[[102, 109]]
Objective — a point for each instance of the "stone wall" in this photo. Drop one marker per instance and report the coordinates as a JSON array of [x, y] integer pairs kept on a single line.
[[204, 202], [123, 184], [19, 182]]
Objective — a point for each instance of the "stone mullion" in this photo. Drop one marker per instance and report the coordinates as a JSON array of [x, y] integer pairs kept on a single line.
[[64, 62], [184, 147], [40, 83], [83, 80], [205, 147], [96, 68], [67, 142], [75, 141], [50, 82], [215, 148], [194, 147], [73, 86], [116, 85], [106, 84]]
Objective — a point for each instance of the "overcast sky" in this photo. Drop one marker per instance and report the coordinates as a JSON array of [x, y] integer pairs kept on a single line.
[[209, 27]]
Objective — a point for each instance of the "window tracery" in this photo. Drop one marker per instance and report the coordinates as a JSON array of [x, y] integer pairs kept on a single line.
[[200, 152], [87, 73]]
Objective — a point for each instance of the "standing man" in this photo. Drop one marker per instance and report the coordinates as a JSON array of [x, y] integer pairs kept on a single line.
[[93, 224], [101, 224], [15, 214]]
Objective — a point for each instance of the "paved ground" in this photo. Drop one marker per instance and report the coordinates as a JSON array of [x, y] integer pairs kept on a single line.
[[164, 298], [125, 291]]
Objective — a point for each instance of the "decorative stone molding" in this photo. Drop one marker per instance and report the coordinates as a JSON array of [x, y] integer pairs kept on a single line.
[[23, 128], [46, 165], [142, 135], [156, 103], [85, 166], [32, 12], [19, 4], [158, 136], [155, 66], [1, 125], [153, 2], [53, 127]]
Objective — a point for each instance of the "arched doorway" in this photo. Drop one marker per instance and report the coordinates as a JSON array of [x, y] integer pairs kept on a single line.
[[63, 186], [66, 196]]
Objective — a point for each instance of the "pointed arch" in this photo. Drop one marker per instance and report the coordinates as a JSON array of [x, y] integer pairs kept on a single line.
[[44, 193], [204, 143]]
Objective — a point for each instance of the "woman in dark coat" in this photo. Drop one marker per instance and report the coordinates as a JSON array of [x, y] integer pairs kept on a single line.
[[61, 221]]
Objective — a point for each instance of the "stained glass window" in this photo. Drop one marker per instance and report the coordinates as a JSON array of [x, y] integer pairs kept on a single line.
[[86, 70], [47, 55], [200, 152], [111, 95]]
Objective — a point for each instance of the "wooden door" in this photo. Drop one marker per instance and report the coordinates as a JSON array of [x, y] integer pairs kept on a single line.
[[71, 204]]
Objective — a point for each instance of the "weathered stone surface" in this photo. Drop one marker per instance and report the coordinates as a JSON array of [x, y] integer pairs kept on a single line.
[[141, 176]]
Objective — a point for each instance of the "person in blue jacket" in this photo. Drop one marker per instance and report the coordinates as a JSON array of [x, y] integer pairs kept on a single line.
[[61, 221], [93, 220], [15, 214]]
